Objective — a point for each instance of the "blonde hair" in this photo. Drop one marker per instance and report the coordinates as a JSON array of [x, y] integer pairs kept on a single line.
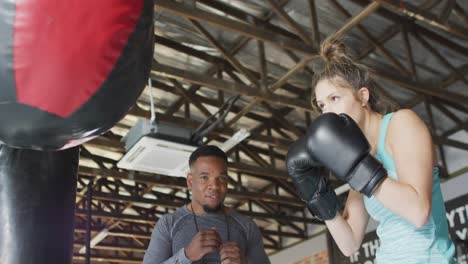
[[344, 70]]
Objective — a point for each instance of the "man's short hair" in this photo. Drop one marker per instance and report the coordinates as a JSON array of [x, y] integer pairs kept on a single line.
[[207, 151]]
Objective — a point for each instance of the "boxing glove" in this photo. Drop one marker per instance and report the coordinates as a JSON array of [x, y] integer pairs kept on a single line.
[[312, 186], [338, 143]]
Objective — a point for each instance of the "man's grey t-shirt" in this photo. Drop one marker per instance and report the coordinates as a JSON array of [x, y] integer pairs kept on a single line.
[[173, 232]]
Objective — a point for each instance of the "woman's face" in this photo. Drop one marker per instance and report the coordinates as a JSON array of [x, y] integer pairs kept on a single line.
[[332, 98]]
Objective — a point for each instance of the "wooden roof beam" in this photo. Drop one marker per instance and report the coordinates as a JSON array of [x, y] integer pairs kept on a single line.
[[426, 17], [396, 18], [226, 86], [233, 25]]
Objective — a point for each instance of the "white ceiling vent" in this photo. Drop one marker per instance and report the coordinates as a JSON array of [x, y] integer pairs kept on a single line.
[[164, 149], [157, 156], [157, 148]]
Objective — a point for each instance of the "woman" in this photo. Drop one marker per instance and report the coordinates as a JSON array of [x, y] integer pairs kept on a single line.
[[408, 203]]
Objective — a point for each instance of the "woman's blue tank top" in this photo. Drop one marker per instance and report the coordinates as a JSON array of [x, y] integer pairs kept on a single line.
[[401, 241]]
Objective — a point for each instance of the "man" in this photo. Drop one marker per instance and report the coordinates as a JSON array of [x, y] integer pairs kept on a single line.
[[206, 231]]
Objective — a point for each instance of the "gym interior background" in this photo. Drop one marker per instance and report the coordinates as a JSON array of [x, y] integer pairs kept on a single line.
[[239, 73]]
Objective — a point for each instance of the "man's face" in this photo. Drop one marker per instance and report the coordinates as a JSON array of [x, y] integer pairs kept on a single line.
[[208, 183]]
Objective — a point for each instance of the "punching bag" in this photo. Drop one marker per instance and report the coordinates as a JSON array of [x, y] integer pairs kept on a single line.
[[69, 70], [37, 205]]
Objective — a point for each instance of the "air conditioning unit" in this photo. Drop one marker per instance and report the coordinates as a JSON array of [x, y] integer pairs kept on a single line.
[[157, 148], [163, 149]]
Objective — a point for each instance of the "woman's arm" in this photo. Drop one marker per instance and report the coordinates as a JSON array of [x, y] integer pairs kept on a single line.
[[348, 229], [410, 145]]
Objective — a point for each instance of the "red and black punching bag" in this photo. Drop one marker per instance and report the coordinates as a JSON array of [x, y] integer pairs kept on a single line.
[[37, 202], [69, 70]]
